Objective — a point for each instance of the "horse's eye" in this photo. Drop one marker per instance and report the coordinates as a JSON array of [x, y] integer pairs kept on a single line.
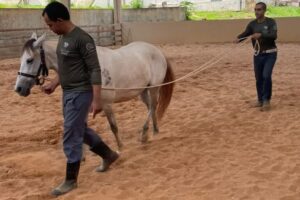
[[29, 61]]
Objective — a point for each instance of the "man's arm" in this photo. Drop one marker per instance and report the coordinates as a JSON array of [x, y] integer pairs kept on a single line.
[[96, 104], [272, 31], [248, 31], [89, 54]]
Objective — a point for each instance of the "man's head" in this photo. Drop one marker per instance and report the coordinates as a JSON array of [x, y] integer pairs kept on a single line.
[[260, 10], [56, 15]]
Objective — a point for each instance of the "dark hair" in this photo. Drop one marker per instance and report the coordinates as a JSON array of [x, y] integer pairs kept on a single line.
[[56, 10], [263, 5]]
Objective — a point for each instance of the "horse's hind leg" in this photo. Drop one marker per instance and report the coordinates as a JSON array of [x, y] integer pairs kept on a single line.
[[146, 99], [113, 124], [154, 102]]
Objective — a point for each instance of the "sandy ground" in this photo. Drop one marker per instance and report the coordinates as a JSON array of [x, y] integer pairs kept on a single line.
[[212, 144]]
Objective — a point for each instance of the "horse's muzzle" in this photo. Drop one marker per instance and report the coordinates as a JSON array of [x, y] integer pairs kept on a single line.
[[22, 91]]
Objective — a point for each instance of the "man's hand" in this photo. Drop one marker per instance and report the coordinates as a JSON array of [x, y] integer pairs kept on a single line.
[[50, 87], [96, 108], [96, 104], [256, 36]]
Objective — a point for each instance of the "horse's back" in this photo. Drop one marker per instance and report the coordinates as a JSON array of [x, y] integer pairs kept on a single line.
[[150, 56], [138, 64]]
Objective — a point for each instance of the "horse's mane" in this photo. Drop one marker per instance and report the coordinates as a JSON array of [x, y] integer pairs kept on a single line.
[[28, 45]]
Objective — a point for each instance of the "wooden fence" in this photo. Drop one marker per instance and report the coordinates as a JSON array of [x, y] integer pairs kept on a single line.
[[12, 40]]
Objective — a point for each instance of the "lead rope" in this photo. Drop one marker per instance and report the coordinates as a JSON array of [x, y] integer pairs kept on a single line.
[[256, 48], [203, 67]]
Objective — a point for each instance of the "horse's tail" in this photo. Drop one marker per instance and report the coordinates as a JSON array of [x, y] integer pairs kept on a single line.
[[165, 92]]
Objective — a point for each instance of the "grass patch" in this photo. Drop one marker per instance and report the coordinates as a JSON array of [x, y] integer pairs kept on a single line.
[[283, 11], [218, 15], [3, 6]]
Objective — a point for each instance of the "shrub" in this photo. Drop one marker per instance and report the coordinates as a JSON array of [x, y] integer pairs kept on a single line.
[[136, 4], [189, 6]]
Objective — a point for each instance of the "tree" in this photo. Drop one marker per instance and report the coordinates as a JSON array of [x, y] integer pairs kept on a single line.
[[24, 2]]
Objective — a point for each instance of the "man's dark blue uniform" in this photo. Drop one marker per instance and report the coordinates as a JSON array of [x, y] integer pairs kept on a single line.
[[266, 56]]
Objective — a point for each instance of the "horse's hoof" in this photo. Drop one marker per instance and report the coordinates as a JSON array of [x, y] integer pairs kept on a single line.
[[144, 138]]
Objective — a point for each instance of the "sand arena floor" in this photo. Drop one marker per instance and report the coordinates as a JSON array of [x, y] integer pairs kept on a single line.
[[212, 144]]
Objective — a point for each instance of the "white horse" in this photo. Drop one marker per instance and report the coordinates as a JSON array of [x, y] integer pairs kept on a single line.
[[138, 64]]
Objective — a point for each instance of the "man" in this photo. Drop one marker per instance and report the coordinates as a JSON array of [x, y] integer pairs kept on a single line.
[[264, 31], [79, 75]]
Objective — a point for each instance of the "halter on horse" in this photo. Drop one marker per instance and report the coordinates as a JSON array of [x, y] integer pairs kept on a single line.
[[43, 70]]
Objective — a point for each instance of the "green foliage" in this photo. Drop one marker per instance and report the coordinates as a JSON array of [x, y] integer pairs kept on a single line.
[[3, 6], [136, 4], [219, 15], [190, 8], [126, 6], [215, 15], [285, 11]]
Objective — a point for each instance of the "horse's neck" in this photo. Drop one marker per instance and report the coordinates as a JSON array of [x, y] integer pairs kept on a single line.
[[50, 54]]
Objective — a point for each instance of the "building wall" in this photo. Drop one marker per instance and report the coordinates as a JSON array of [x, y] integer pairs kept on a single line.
[[219, 31], [153, 14], [31, 18], [25, 21]]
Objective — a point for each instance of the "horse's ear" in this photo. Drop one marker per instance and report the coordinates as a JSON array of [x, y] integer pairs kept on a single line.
[[34, 36], [39, 41]]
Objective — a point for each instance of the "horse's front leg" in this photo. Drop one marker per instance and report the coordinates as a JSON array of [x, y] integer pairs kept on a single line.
[[113, 124]]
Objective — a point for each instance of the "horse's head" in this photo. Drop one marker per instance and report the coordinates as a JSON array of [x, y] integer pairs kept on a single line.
[[32, 65]]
